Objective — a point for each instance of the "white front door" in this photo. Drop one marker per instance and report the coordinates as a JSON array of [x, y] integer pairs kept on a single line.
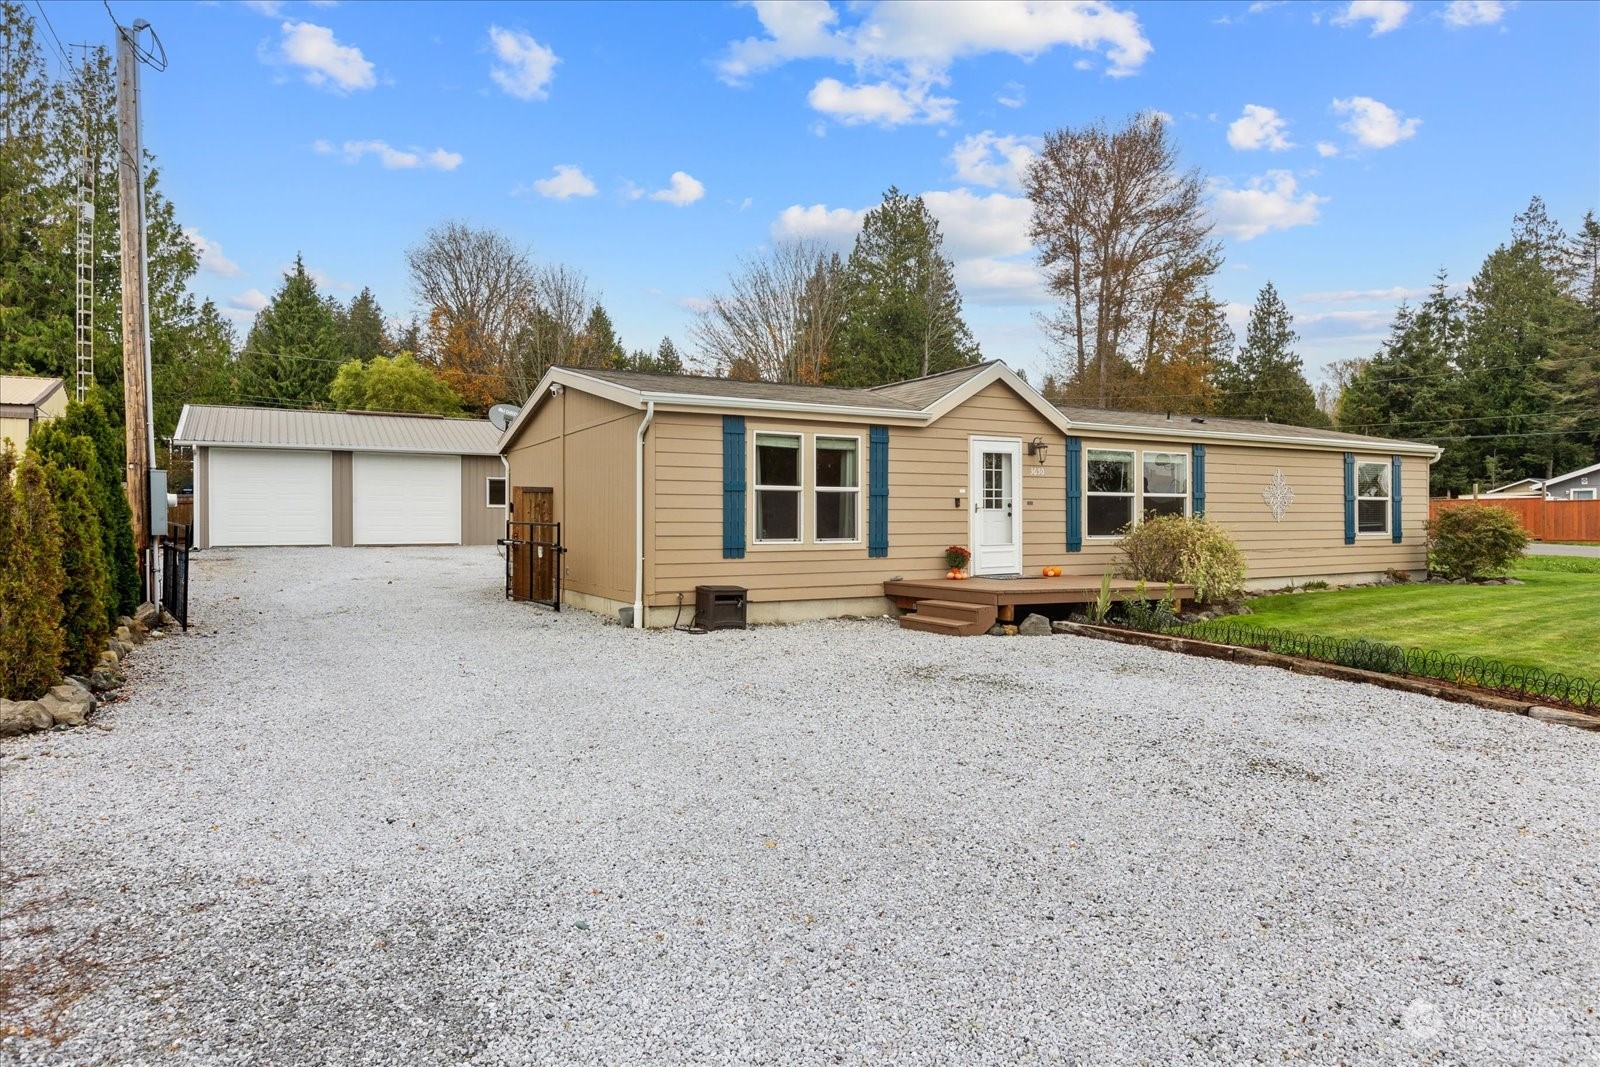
[[996, 514]]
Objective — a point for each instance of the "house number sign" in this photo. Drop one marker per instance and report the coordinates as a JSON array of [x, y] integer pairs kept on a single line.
[[1278, 496]]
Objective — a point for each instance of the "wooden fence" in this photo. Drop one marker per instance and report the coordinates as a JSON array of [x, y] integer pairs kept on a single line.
[[1545, 520]]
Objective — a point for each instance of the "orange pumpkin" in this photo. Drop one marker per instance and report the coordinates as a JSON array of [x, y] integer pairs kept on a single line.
[[952, 573]]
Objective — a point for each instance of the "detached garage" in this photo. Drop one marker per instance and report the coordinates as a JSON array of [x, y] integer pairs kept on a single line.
[[264, 476]]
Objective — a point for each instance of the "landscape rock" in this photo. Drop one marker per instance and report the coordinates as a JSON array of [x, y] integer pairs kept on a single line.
[[1008, 630], [124, 635], [103, 681], [63, 712], [1035, 625], [996, 630], [22, 716], [109, 658], [148, 615]]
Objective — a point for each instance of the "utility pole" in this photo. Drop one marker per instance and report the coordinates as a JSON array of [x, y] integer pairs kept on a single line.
[[139, 428]]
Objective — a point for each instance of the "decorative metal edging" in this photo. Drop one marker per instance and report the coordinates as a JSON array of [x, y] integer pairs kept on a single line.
[[1415, 662]]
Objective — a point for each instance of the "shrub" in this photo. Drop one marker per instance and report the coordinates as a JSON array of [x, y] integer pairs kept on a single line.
[[1144, 614], [52, 441], [1470, 541], [31, 581], [1188, 551], [83, 599]]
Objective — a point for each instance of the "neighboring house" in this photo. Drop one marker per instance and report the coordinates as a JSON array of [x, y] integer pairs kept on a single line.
[[264, 476], [812, 497], [1583, 484], [1522, 488], [25, 401]]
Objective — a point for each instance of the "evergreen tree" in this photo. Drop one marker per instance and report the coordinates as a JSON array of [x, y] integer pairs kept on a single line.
[[598, 344], [1409, 390], [665, 360], [365, 335], [31, 581], [292, 352], [52, 441], [84, 618], [902, 309], [1267, 379]]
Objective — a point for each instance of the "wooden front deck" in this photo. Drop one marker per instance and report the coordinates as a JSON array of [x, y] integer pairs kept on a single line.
[[998, 598]]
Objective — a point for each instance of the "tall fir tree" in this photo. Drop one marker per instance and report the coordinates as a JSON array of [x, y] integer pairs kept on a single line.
[[598, 344], [902, 308], [292, 352], [1267, 380], [365, 333], [84, 619], [1410, 390], [31, 580]]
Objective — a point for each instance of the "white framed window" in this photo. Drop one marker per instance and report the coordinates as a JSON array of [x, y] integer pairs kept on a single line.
[[778, 485], [1584, 494], [494, 493], [1109, 492], [1165, 484], [838, 488], [1372, 497]]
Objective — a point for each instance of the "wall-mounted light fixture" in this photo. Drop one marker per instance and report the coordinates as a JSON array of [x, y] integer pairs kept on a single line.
[[556, 389], [1038, 449]]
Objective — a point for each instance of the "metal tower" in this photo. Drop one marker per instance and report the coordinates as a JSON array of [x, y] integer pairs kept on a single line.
[[85, 309]]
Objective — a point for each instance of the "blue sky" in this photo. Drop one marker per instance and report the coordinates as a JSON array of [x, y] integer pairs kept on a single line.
[[1353, 148]]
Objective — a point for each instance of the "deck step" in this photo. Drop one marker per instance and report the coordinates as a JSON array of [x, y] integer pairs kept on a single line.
[[950, 617]]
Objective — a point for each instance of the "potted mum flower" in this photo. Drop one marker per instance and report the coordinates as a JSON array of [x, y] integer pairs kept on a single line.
[[956, 557]]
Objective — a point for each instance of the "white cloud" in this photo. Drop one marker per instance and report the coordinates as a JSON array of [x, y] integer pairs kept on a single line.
[[1374, 124], [1474, 12], [393, 158], [1385, 15], [322, 278], [909, 47], [1271, 202], [525, 66], [880, 103], [1265, 5], [681, 191], [977, 226], [251, 300], [1357, 296], [269, 8], [1259, 127], [696, 304], [567, 182], [1325, 149], [989, 159], [326, 62], [1013, 94], [212, 261], [837, 227], [1000, 282]]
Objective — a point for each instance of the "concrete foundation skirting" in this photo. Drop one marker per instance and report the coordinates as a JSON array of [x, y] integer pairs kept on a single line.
[[757, 613], [1256, 657]]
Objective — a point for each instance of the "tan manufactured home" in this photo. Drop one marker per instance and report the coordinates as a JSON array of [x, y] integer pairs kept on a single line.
[[812, 497]]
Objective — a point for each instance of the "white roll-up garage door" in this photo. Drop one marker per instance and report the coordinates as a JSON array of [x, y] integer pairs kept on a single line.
[[406, 499], [263, 496]]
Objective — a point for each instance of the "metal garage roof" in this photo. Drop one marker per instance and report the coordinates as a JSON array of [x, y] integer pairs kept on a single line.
[[344, 431]]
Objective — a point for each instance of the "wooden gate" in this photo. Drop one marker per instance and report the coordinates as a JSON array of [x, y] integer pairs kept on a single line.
[[533, 547]]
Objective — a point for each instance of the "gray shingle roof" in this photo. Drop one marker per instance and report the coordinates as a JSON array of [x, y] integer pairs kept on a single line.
[[922, 393], [696, 385], [243, 427], [1154, 420]]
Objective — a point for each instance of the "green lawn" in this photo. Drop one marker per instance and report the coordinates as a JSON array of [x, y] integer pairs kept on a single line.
[[1552, 622]]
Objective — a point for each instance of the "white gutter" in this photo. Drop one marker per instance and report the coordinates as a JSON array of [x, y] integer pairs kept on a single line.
[[638, 517], [1370, 444]]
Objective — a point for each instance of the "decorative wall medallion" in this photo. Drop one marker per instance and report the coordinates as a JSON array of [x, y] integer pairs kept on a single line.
[[1278, 496]]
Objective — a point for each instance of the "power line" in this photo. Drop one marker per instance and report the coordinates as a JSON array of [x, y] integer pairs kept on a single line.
[[66, 64]]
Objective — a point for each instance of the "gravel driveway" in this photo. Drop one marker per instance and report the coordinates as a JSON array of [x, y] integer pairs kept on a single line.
[[366, 812]]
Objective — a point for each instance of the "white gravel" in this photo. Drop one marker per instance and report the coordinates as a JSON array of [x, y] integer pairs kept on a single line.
[[367, 812]]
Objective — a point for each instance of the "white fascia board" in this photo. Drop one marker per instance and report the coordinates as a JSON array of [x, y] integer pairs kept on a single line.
[[177, 434], [285, 446], [998, 372], [1433, 452], [795, 407]]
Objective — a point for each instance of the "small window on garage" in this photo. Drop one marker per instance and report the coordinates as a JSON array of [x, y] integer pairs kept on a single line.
[[497, 493]]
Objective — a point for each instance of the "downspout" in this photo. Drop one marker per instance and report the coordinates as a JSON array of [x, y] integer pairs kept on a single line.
[[638, 517]]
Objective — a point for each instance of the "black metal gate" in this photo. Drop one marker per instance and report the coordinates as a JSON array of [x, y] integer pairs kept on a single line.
[[533, 562], [175, 571]]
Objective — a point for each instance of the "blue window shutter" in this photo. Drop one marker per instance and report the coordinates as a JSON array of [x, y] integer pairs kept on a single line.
[[733, 487], [1394, 499], [1198, 476], [1074, 495], [1349, 498], [878, 492]]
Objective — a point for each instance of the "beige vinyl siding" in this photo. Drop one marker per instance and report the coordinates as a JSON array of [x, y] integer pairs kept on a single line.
[[202, 497], [480, 524], [344, 524], [1309, 542], [928, 474], [587, 443]]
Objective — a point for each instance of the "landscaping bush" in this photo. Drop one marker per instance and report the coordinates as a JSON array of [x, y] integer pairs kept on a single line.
[[31, 580], [52, 442], [83, 599], [1174, 548], [1475, 542]]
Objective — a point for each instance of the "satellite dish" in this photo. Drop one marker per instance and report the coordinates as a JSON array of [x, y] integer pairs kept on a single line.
[[500, 416]]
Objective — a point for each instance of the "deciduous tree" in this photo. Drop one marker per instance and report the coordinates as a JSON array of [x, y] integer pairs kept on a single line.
[[779, 317], [393, 383]]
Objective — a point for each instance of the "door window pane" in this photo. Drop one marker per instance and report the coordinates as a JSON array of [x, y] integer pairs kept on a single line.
[[995, 465]]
